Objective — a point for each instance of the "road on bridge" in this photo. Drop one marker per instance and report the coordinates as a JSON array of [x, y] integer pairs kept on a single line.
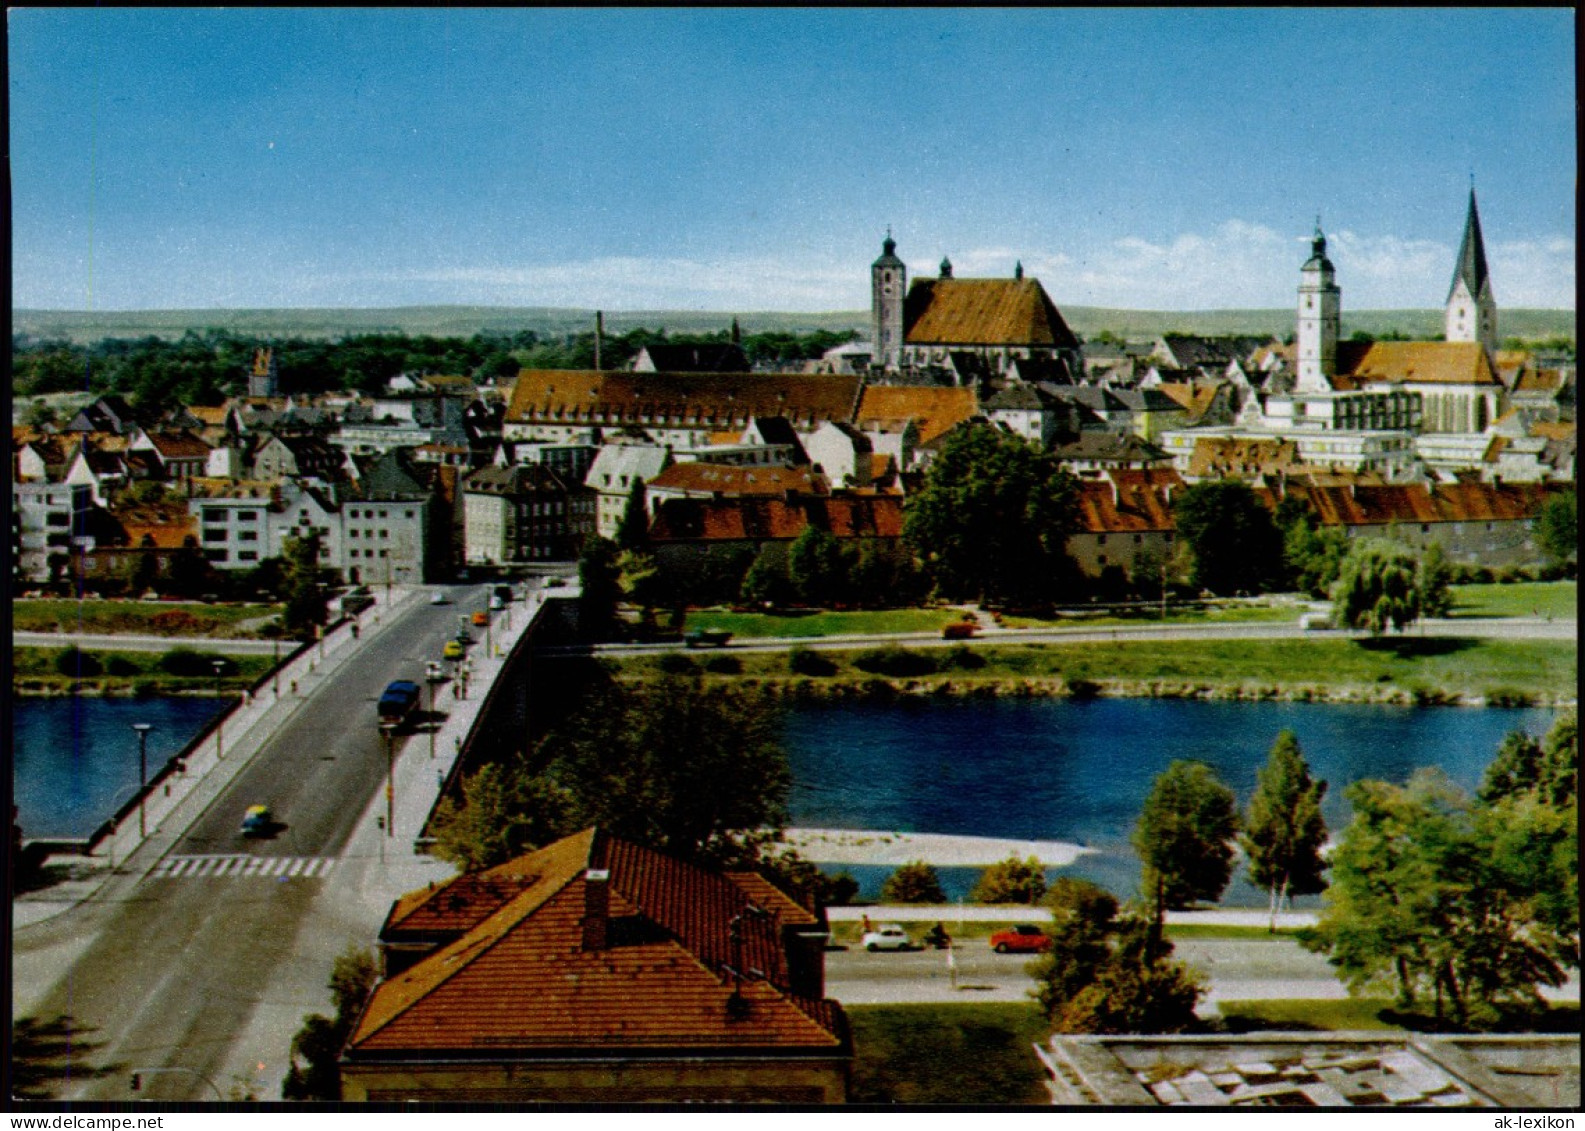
[[173, 956]]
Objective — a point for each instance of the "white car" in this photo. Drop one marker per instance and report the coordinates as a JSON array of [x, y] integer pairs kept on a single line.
[[887, 936], [438, 597]]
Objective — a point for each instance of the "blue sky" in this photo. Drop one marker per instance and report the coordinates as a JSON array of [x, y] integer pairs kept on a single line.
[[741, 160]]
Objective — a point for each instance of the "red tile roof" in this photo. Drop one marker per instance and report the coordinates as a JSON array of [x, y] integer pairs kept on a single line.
[[984, 312], [710, 401], [729, 479], [934, 410], [178, 445], [527, 978], [760, 519], [1437, 363], [1384, 504]]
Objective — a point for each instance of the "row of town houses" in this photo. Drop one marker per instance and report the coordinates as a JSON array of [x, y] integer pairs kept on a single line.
[[1453, 440]]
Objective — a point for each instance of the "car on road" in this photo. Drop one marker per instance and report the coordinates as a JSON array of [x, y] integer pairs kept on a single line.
[[453, 650], [257, 821], [399, 701], [438, 597], [887, 936], [1026, 938], [496, 603], [501, 593], [481, 618], [706, 638]]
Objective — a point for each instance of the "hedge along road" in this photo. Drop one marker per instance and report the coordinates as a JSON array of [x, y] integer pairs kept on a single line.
[[106, 642]]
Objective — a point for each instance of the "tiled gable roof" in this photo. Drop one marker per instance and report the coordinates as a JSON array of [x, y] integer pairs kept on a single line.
[[934, 411], [730, 479], [178, 445], [1381, 505], [1242, 457], [774, 519], [526, 978], [984, 312], [713, 401], [1195, 399], [1126, 505], [522, 478], [1437, 363]]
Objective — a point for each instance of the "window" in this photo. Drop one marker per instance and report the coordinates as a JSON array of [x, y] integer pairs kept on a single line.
[[248, 556], [247, 516], [248, 535], [385, 534], [214, 514], [385, 553], [58, 540], [216, 554], [1100, 540], [58, 518], [213, 535], [352, 514], [382, 514], [352, 553]]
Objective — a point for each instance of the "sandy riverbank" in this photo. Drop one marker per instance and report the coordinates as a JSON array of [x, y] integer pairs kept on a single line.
[[854, 846]]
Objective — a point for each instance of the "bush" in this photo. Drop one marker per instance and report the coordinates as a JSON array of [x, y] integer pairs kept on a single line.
[[963, 657], [894, 661], [724, 665], [675, 663], [186, 663], [121, 666], [801, 661], [74, 663], [1011, 881], [916, 882]]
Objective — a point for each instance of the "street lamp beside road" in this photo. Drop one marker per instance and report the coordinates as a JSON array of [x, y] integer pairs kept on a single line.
[[432, 676], [388, 730], [143, 775], [219, 666]]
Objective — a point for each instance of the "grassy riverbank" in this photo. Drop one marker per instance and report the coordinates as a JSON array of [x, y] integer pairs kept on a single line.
[[35, 672], [142, 618], [1407, 669]]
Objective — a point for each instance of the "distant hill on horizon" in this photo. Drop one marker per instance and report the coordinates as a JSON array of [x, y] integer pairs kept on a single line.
[[464, 321]]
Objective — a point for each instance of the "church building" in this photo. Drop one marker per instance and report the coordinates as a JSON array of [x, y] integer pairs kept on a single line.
[[954, 329]]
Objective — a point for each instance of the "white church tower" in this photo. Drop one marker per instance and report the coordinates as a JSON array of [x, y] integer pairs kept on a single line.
[[1319, 306], [1471, 306], [888, 280]]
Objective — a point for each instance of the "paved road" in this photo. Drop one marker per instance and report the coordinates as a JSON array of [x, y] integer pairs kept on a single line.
[[107, 642], [1534, 628], [174, 955]]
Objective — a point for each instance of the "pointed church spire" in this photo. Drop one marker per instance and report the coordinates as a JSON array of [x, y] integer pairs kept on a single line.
[[1471, 266], [1018, 270], [946, 267]]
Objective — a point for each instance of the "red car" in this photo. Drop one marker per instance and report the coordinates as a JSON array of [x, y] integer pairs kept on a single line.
[[1026, 938]]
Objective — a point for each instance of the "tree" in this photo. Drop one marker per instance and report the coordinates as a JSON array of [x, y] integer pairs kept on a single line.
[[1104, 974], [1459, 901], [319, 1042], [914, 882], [1233, 538], [633, 531], [817, 568], [1184, 836], [993, 518], [1313, 557], [504, 812], [305, 596], [1284, 831], [766, 582], [1377, 587], [73, 663], [1557, 528], [600, 589], [189, 571], [1011, 881], [1432, 581], [693, 770]]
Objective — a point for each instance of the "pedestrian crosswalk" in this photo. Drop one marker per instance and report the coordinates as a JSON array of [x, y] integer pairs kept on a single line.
[[241, 866]]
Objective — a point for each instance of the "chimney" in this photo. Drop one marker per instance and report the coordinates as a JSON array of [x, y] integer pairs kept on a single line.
[[596, 908], [599, 332]]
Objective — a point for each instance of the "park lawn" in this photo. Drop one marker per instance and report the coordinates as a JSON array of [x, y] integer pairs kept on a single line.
[[1505, 671], [1556, 599], [1235, 614], [138, 618], [1305, 1013], [34, 669], [824, 623], [976, 1054]]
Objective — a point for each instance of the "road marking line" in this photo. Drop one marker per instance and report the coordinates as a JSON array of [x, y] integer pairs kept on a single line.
[[296, 866]]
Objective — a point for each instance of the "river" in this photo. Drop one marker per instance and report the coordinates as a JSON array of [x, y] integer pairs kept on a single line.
[[1079, 770], [1038, 769]]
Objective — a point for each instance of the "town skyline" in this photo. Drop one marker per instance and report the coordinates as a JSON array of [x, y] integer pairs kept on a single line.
[[224, 159]]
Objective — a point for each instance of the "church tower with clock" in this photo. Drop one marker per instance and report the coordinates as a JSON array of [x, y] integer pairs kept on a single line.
[[888, 283]]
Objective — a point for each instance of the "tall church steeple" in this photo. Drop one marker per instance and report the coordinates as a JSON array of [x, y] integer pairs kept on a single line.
[[1320, 304], [1471, 305], [888, 279]]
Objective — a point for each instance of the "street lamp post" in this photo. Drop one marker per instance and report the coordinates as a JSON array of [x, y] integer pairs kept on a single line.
[[219, 666], [143, 774], [389, 731], [432, 676]]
